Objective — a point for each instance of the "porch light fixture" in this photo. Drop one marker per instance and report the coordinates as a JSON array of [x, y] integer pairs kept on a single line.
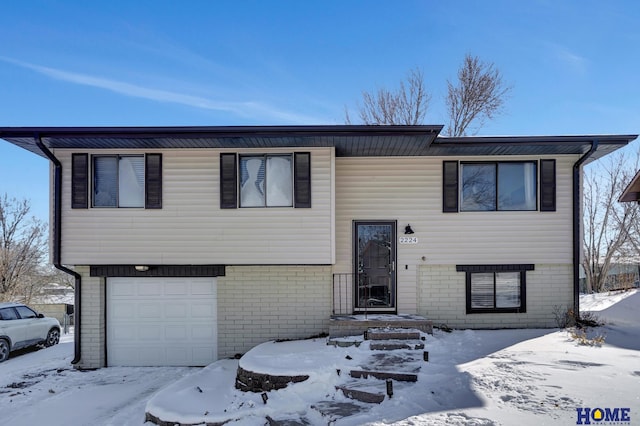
[[142, 268], [408, 230]]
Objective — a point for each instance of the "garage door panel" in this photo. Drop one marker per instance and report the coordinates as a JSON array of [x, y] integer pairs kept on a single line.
[[125, 333], [149, 311], [176, 310], [176, 332], [150, 332], [202, 310], [202, 289], [121, 289], [161, 321], [124, 312], [180, 289]]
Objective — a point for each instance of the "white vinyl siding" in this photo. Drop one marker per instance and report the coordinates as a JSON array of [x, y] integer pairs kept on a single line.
[[409, 190], [191, 228]]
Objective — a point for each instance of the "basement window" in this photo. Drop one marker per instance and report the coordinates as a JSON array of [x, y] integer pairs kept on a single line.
[[495, 288]]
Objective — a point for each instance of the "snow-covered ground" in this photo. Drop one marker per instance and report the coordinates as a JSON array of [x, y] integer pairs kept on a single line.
[[524, 377]]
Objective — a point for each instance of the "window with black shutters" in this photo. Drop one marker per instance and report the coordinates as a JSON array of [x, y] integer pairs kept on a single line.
[[265, 180], [153, 181], [498, 186], [450, 186], [116, 181], [547, 185], [79, 181]]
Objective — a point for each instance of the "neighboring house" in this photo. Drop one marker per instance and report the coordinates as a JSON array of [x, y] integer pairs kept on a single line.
[[190, 244], [632, 191], [619, 276], [55, 300]]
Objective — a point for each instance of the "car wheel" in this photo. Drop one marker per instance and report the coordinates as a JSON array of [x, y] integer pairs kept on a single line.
[[4, 350], [53, 337]]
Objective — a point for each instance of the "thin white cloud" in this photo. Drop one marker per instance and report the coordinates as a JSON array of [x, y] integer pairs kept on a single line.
[[568, 57], [245, 109]]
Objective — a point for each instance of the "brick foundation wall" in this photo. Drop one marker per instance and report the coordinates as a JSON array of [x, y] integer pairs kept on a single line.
[[261, 303], [442, 298], [92, 331]]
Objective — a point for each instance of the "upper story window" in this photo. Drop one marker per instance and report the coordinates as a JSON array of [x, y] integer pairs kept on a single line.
[[266, 181], [116, 181], [498, 186]]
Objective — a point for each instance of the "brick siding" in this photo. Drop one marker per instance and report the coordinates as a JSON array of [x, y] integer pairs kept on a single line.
[[442, 298], [261, 303]]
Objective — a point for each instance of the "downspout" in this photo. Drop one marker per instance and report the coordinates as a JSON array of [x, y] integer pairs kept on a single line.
[[57, 243], [577, 224]]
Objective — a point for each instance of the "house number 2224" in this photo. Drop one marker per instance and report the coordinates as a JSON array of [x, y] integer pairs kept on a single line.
[[408, 240]]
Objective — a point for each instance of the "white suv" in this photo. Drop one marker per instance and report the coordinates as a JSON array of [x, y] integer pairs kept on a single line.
[[21, 327]]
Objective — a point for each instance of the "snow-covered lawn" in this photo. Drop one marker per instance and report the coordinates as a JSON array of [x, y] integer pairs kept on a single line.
[[485, 377]]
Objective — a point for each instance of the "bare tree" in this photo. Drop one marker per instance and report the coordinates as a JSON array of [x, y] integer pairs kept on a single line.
[[478, 96], [406, 105], [22, 249], [610, 227]]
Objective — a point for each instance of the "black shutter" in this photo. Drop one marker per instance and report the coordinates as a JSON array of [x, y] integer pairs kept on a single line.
[[79, 181], [547, 185], [153, 181], [449, 186], [228, 181], [302, 180]]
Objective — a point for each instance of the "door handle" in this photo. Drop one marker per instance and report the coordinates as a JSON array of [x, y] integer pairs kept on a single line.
[[393, 266]]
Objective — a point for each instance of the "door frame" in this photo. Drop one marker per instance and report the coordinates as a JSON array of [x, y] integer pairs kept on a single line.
[[394, 274]]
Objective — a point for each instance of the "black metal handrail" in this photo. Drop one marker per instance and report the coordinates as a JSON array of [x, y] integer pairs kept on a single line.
[[342, 294]]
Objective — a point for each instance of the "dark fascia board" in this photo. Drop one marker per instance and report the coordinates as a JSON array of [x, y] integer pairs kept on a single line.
[[632, 191], [278, 136], [219, 131], [530, 145], [349, 140], [538, 139]]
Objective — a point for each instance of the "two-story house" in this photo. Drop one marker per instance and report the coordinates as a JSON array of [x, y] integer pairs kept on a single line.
[[190, 244]]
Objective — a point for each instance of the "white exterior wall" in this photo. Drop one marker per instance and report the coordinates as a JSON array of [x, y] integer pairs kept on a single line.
[[191, 228], [409, 190], [441, 298], [261, 303]]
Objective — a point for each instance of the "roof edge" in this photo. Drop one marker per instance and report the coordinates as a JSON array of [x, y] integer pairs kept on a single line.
[[156, 131]]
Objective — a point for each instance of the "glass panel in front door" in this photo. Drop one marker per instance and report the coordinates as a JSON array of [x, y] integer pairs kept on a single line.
[[375, 275]]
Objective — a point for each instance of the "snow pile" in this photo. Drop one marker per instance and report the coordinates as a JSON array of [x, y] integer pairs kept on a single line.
[[484, 377], [599, 301]]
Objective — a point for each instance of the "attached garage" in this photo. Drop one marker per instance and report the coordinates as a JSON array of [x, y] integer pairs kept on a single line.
[[161, 321]]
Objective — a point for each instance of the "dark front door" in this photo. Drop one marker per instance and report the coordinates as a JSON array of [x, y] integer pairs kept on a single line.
[[374, 265]]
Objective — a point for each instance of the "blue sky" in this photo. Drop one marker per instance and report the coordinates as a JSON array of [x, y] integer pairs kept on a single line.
[[573, 65]]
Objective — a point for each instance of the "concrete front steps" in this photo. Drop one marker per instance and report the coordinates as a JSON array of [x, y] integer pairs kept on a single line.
[[353, 325], [396, 357]]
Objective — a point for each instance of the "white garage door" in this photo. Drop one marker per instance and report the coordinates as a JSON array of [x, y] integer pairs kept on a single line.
[[161, 321]]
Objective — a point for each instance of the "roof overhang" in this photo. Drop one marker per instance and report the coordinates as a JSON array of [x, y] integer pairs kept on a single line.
[[530, 145], [349, 141], [632, 191]]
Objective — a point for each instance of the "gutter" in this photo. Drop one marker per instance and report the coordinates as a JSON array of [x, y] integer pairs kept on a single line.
[[577, 223], [57, 242]]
